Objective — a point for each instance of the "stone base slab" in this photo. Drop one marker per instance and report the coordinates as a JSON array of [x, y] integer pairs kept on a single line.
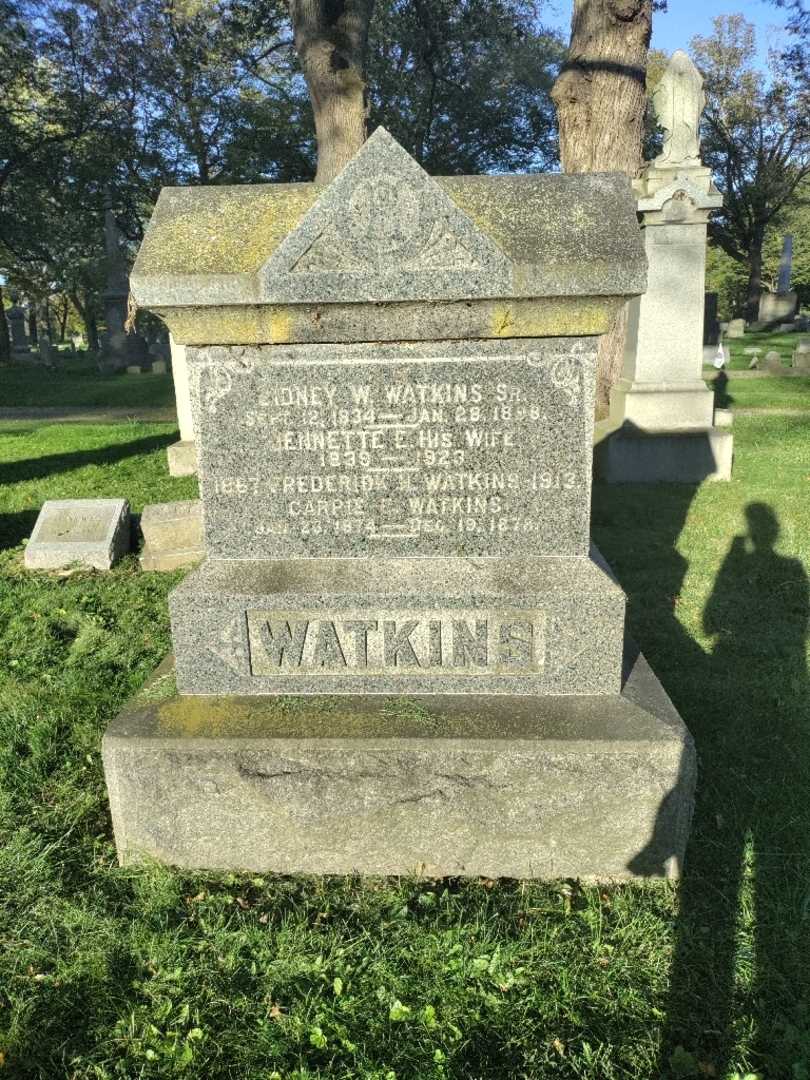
[[595, 788], [664, 406], [628, 456], [182, 459], [398, 626]]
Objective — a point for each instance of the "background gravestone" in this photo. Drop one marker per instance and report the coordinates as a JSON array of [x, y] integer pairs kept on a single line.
[[16, 317], [400, 652], [781, 306], [119, 349], [661, 426]]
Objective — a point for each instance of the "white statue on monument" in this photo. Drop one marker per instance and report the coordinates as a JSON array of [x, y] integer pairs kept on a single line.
[[678, 101]]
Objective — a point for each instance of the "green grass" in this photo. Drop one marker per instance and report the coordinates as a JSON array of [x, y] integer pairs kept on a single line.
[[784, 344], [77, 382], [769, 392], [109, 972]]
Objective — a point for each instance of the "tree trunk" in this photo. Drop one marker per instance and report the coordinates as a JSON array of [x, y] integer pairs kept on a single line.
[[5, 342], [330, 39], [88, 317], [600, 97], [62, 316], [754, 288], [33, 335], [91, 330]]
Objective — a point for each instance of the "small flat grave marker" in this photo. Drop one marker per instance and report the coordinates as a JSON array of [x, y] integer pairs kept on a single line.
[[87, 532]]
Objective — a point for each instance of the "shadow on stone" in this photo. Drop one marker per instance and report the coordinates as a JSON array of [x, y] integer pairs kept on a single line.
[[632, 455]]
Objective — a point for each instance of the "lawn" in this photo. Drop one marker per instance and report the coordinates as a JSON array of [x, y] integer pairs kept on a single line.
[[77, 382], [766, 340], [147, 972], [769, 392]]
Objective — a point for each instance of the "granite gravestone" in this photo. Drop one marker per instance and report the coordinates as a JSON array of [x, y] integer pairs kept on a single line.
[[801, 356], [16, 323], [781, 306], [79, 532], [400, 653], [120, 349]]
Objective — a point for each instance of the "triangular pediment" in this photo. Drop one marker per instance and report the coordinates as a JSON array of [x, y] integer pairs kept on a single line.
[[384, 230]]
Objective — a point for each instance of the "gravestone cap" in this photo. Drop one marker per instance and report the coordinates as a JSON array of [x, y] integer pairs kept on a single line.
[[267, 263], [88, 532]]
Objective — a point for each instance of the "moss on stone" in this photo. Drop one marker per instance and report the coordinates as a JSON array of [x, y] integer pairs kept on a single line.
[[222, 230], [561, 316], [312, 716]]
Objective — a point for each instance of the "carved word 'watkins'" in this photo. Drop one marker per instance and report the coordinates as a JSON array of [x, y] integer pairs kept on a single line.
[[463, 642]]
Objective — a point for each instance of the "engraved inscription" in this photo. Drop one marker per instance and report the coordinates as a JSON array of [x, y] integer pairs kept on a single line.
[[70, 525], [418, 457], [397, 642]]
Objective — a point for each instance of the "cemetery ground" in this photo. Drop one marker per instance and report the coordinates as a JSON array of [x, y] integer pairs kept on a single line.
[[78, 382], [767, 340], [108, 972]]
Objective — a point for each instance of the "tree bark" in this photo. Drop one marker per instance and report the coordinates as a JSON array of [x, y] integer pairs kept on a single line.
[[600, 97], [331, 38], [88, 317], [5, 341], [62, 317], [33, 335]]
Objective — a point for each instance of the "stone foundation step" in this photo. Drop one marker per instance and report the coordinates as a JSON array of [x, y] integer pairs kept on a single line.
[[589, 787]]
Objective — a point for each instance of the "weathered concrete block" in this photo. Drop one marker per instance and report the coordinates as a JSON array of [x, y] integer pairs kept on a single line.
[[182, 457], [587, 787], [173, 535], [89, 532]]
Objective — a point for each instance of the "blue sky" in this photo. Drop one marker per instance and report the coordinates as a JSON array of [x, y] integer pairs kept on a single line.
[[673, 29]]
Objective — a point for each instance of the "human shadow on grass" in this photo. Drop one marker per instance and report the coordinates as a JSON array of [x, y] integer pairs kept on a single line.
[[747, 873], [15, 472]]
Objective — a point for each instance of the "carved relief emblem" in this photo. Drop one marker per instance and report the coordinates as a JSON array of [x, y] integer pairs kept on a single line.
[[565, 376], [384, 230], [216, 382], [389, 221], [564, 372], [231, 647]]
